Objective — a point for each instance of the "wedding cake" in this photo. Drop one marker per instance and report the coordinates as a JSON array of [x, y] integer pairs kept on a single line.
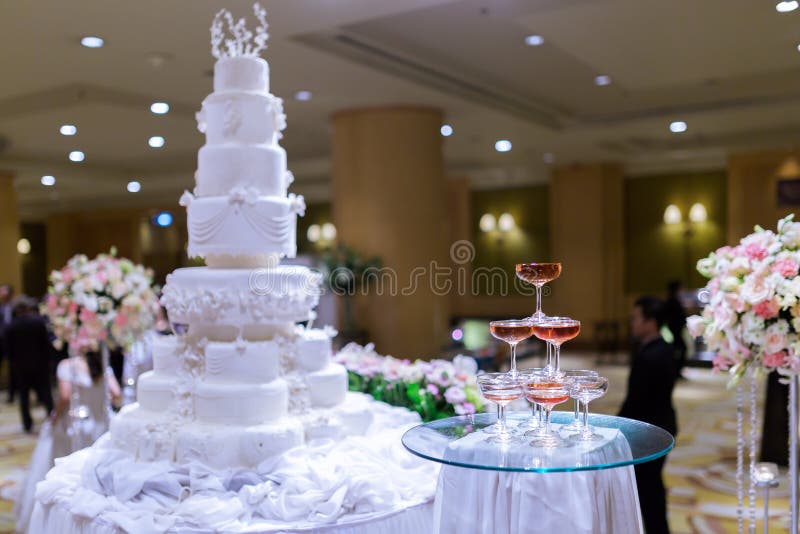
[[241, 382], [244, 423]]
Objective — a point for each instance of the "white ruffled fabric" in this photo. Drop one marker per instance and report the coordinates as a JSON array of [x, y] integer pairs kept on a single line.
[[580, 502], [350, 485]]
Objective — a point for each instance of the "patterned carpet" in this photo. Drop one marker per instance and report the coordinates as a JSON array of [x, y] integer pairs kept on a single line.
[[699, 472]]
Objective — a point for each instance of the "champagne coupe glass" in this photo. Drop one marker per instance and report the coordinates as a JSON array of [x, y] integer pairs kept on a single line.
[[577, 425], [556, 331], [512, 331], [586, 389], [500, 388], [535, 421], [538, 274], [548, 391]]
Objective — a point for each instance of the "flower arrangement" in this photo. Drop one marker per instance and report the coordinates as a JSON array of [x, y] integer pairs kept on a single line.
[[752, 319], [104, 300], [434, 389]]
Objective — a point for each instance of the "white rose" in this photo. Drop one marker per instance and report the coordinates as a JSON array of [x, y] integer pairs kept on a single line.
[[757, 288]]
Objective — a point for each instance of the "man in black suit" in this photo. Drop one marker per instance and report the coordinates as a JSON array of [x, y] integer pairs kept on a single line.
[[6, 315], [649, 399], [29, 351]]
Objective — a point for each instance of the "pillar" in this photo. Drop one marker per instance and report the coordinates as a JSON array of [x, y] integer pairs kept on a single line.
[[10, 265], [752, 189], [389, 200], [587, 237]]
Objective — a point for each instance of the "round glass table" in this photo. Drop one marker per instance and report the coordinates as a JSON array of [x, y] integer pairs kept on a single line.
[[459, 441]]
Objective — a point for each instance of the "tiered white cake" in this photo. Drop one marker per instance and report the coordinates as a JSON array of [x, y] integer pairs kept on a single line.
[[240, 382]]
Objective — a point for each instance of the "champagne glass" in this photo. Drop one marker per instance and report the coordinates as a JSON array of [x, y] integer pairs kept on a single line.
[[586, 389], [535, 421], [556, 331], [576, 425], [547, 391], [538, 274], [512, 331], [500, 388]]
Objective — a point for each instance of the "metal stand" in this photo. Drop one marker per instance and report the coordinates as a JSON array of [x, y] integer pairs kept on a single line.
[[793, 450]]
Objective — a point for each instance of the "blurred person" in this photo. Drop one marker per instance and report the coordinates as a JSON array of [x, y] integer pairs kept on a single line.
[[87, 382], [29, 351], [6, 315], [675, 319], [649, 399]]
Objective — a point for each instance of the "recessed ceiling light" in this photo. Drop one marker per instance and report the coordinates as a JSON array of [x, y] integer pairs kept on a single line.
[[303, 96], [91, 41], [163, 219], [786, 6], [548, 157], [678, 127], [77, 156], [134, 186], [156, 141], [602, 80], [446, 130], [23, 246], [534, 40], [68, 129], [159, 108], [48, 180], [503, 145]]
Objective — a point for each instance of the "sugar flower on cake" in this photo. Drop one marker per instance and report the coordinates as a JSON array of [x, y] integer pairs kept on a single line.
[[104, 300], [752, 319]]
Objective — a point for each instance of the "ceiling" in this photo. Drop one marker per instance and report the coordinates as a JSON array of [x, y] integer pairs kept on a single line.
[[729, 68]]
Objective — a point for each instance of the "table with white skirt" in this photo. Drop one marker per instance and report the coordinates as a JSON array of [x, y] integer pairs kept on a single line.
[[586, 488]]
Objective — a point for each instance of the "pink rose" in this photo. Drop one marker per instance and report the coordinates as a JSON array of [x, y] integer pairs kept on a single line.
[[724, 317], [787, 267], [87, 316], [776, 359], [755, 251], [774, 339], [767, 309], [721, 363], [696, 325]]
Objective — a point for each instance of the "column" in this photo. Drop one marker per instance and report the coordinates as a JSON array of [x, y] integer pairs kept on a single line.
[[10, 265], [752, 189], [389, 199], [587, 237]]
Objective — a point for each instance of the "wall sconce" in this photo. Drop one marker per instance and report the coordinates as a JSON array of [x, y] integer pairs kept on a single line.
[[506, 222], [697, 213], [487, 222], [322, 234], [672, 215], [23, 246]]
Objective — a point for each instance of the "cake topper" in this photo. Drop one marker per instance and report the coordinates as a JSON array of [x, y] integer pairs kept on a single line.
[[239, 41]]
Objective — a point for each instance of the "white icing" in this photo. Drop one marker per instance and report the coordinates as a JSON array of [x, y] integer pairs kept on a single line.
[[313, 349], [242, 361], [242, 226], [241, 297], [166, 358], [241, 117], [261, 168], [155, 392], [241, 74], [241, 404], [327, 387]]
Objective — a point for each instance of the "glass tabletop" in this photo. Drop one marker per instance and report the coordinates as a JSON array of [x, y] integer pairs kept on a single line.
[[459, 441]]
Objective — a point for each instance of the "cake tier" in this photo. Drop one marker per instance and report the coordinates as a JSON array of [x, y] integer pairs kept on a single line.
[[328, 386], [156, 435], [241, 404], [241, 74], [154, 391], [166, 355], [313, 349], [242, 225], [260, 169], [241, 298], [241, 117], [242, 361]]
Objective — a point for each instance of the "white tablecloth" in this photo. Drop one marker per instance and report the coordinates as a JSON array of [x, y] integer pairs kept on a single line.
[[501, 502], [55, 518]]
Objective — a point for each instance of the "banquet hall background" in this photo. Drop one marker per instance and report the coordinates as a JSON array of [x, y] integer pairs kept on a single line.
[[437, 143]]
